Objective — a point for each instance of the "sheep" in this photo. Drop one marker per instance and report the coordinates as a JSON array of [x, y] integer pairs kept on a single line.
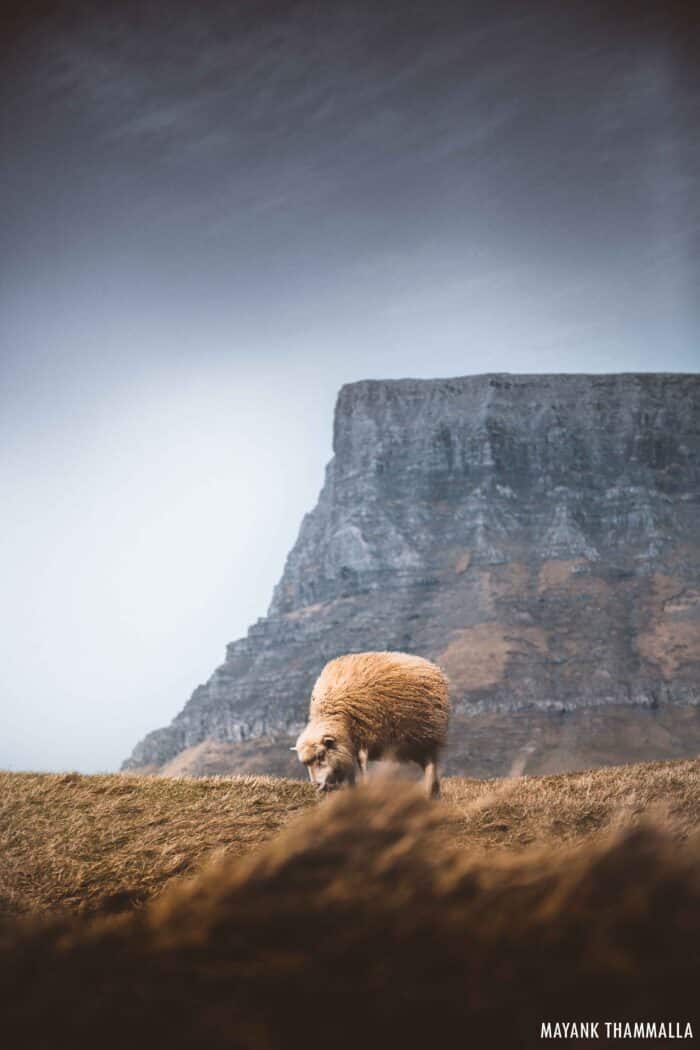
[[365, 706]]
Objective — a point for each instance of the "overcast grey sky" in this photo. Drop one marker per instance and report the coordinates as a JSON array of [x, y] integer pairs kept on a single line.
[[214, 215]]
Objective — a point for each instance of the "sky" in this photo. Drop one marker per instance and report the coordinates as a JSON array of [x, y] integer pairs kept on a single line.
[[214, 215]]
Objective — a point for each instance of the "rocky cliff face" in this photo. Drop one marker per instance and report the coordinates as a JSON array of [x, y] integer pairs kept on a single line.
[[539, 536]]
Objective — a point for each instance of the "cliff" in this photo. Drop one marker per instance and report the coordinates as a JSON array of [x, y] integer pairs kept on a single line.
[[538, 536]]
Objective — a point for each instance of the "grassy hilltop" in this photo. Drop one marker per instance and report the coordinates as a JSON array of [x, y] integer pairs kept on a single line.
[[104, 843], [215, 913]]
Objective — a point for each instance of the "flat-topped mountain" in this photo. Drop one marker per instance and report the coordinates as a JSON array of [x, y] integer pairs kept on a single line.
[[538, 536]]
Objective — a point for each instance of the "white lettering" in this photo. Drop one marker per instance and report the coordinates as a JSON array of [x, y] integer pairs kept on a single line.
[[647, 1029], [616, 1029]]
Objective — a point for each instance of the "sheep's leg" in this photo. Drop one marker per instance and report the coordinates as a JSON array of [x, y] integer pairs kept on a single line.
[[362, 759], [431, 780]]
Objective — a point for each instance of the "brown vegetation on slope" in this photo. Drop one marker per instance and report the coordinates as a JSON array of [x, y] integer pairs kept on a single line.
[[95, 843], [573, 808], [106, 842], [364, 922], [263, 756]]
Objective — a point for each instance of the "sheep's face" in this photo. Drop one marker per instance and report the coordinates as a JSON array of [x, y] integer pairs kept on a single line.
[[327, 757]]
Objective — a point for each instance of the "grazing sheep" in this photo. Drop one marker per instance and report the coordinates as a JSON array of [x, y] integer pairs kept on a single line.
[[365, 706]]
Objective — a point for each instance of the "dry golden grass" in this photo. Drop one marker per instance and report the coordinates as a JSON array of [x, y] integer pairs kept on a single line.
[[105, 843], [363, 922], [568, 808]]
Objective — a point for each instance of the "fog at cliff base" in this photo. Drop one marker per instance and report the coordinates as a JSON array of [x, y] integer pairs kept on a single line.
[[216, 215]]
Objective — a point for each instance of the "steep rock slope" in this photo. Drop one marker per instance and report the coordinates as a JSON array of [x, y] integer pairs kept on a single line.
[[537, 535]]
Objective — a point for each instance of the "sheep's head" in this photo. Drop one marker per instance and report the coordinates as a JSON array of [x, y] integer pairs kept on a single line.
[[328, 757]]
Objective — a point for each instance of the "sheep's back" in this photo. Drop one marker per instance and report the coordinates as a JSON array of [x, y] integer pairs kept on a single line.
[[384, 698]]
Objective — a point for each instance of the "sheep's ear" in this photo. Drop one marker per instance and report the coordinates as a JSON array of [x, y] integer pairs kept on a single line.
[[329, 741], [292, 749]]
